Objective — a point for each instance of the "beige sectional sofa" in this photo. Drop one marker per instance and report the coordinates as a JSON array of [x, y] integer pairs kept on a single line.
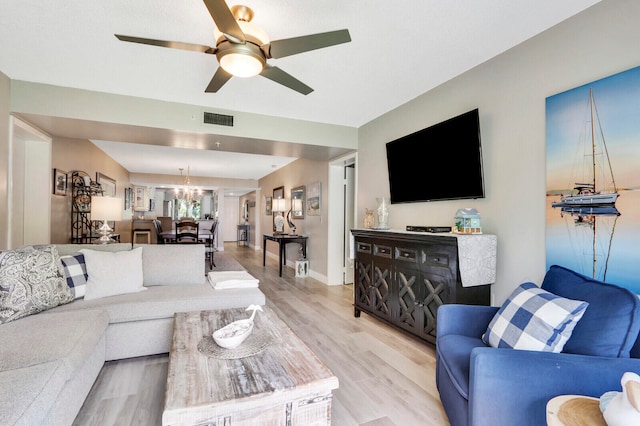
[[50, 360]]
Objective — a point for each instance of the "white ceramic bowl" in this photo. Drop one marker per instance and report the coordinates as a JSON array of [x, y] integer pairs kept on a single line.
[[232, 335]]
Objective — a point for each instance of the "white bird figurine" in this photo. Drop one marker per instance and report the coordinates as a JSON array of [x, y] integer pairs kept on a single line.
[[623, 408], [232, 335]]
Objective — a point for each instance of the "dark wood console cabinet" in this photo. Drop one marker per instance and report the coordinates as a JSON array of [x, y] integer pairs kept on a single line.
[[403, 278]]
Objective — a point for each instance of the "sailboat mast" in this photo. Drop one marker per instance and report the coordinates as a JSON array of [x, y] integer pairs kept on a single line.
[[593, 140], [604, 144]]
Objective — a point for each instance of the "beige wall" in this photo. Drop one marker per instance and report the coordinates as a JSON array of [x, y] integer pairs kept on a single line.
[[5, 101], [510, 92], [300, 172], [79, 154]]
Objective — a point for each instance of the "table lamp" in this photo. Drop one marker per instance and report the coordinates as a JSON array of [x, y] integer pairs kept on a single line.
[[106, 209], [278, 208]]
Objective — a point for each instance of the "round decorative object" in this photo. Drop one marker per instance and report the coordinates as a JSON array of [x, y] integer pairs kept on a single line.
[[256, 343], [83, 202]]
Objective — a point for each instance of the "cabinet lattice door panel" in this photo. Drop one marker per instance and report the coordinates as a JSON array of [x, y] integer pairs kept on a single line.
[[381, 291]]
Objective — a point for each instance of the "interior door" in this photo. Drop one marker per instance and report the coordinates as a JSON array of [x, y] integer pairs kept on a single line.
[[230, 219], [349, 201]]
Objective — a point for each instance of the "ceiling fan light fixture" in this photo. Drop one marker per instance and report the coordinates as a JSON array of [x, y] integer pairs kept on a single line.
[[241, 62]]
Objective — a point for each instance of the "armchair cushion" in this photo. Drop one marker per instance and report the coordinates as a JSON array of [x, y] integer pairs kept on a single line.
[[611, 323], [534, 319]]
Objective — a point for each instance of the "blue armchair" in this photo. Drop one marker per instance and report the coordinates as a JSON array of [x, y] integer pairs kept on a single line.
[[482, 385]]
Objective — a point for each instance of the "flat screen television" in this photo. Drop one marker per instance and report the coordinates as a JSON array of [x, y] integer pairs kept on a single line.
[[440, 162]]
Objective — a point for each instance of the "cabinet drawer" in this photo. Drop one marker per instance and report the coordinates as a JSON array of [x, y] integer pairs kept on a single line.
[[406, 254], [435, 259], [382, 251], [363, 247]]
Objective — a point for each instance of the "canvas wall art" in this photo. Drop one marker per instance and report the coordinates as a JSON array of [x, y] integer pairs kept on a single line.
[[593, 182]]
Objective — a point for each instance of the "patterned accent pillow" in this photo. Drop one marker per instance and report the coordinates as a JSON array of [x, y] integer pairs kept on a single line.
[[31, 281], [75, 272], [534, 319]]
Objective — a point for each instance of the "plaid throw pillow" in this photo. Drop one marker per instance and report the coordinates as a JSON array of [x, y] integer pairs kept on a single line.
[[75, 271], [534, 319]]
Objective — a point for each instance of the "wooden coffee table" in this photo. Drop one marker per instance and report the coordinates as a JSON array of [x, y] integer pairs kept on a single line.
[[283, 384]]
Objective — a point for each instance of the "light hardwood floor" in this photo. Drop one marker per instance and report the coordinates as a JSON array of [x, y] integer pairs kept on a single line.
[[386, 377]]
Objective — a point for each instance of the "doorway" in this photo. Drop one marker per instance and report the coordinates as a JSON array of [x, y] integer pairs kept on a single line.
[[342, 208], [30, 186]]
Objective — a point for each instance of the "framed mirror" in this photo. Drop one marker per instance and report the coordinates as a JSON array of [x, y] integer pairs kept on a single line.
[[278, 208], [297, 202]]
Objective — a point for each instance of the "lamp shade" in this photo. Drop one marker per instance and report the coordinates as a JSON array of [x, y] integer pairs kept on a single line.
[[278, 205], [106, 208]]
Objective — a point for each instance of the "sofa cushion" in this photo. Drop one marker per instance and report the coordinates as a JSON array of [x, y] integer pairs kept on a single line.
[[28, 393], [454, 353], [173, 264], [611, 323], [66, 336], [534, 319], [31, 281], [111, 274], [75, 272]]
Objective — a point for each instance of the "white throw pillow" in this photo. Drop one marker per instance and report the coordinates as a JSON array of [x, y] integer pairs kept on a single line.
[[113, 273]]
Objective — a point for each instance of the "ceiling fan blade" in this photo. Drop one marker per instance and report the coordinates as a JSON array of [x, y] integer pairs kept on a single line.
[[292, 46], [225, 21], [218, 80], [281, 77], [172, 44]]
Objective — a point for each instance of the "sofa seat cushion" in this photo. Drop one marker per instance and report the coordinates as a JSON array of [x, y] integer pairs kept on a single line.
[[164, 301], [609, 326], [69, 337], [455, 355], [29, 393]]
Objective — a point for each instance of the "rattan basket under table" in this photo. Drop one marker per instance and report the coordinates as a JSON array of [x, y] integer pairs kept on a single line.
[[284, 383]]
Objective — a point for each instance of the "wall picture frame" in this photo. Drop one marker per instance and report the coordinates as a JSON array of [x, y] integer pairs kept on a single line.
[[59, 182], [314, 199], [140, 199], [267, 206], [128, 198], [278, 216], [108, 184], [297, 202]]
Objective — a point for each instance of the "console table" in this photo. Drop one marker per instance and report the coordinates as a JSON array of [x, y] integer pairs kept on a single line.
[[282, 241], [243, 235], [403, 277]]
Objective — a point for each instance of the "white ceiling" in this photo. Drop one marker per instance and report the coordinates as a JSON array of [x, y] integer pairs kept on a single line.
[[399, 50]]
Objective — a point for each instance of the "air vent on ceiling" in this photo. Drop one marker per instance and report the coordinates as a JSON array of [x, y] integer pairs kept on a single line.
[[219, 119]]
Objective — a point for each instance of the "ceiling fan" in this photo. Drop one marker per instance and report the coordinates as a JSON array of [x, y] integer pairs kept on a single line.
[[243, 48]]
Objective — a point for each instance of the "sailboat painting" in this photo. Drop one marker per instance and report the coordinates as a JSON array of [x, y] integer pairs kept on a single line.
[[593, 179]]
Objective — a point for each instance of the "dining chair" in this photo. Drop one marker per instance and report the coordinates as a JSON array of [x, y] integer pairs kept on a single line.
[[187, 232], [158, 227], [210, 244]]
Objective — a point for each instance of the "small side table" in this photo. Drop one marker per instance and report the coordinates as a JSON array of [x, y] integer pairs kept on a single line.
[[574, 410], [243, 235]]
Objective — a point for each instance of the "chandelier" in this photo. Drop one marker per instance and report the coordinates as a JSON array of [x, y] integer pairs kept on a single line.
[[186, 192]]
